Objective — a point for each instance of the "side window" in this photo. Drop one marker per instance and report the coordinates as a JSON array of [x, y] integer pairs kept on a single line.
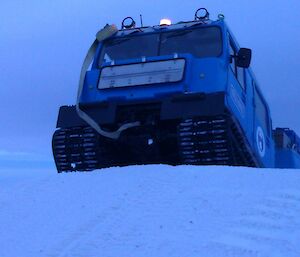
[[261, 110], [241, 77], [238, 71], [232, 60]]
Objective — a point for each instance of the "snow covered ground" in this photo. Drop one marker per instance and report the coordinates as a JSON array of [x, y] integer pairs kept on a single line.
[[147, 211]]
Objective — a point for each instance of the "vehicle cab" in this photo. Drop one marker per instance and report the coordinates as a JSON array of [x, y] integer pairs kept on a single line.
[[198, 62]]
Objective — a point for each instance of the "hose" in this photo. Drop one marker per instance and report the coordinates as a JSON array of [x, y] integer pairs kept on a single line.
[[106, 32]]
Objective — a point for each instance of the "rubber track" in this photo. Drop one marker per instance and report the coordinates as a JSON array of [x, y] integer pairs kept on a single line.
[[213, 141], [201, 141], [75, 149]]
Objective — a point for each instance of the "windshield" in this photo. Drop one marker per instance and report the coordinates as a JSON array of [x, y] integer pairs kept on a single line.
[[200, 42]]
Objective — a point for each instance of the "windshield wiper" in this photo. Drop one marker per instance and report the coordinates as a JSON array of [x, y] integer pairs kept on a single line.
[[179, 33], [135, 31], [118, 41]]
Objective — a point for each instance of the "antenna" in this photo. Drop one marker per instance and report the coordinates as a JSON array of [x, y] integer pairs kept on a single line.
[[141, 18]]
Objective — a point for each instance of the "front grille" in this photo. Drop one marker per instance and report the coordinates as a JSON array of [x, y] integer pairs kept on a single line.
[[138, 112]]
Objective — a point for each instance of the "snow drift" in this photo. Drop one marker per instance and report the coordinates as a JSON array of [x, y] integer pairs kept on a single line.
[[146, 211]]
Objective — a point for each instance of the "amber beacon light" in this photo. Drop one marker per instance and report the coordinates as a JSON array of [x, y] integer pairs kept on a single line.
[[165, 22]]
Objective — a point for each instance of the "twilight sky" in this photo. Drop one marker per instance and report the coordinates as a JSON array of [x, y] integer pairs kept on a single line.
[[43, 43]]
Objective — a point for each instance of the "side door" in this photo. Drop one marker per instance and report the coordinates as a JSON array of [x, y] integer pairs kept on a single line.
[[237, 87], [262, 128]]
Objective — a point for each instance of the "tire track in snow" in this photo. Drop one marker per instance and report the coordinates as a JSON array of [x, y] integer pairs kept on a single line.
[[94, 234], [66, 247], [267, 230]]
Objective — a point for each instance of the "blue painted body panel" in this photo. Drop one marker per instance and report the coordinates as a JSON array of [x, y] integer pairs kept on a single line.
[[287, 159], [241, 103], [192, 81], [205, 75]]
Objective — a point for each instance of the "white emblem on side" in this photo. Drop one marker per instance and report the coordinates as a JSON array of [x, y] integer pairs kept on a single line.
[[261, 142]]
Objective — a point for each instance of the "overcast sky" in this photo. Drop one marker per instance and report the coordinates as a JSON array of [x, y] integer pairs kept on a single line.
[[43, 43]]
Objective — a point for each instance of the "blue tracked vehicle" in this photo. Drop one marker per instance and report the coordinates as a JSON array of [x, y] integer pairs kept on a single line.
[[173, 94]]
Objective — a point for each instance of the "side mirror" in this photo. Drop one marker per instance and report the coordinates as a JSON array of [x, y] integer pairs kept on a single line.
[[243, 58]]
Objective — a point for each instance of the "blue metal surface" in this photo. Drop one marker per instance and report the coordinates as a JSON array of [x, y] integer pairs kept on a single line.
[[200, 76], [287, 159], [241, 103], [205, 75]]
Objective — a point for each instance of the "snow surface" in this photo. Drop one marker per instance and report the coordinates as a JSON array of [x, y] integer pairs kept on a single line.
[[147, 211]]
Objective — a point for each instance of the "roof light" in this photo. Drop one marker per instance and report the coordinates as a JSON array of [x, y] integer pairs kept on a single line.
[[128, 23], [201, 14], [165, 22]]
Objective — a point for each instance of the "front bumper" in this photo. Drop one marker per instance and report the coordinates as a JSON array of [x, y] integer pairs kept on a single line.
[[174, 107]]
